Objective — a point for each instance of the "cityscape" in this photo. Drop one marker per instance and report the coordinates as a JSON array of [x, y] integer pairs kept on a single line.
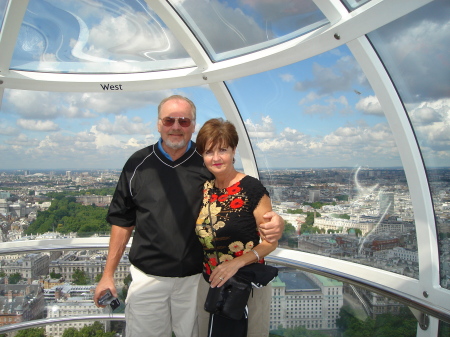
[[361, 215]]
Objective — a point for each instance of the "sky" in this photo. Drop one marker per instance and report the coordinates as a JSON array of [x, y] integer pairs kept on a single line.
[[320, 112]]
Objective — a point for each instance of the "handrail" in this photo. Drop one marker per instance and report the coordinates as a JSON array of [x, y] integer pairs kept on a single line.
[[394, 294], [99, 243], [58, 320], [32, 246]]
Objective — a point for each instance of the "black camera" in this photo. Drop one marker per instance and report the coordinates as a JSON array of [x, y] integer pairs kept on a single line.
[[108, 298]]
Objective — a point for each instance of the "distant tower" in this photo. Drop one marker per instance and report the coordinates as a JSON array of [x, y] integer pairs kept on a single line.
[[69, 174], [386, 203], [314, 195]]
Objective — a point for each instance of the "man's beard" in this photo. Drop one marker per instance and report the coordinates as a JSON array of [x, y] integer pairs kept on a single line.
[[176, 145]]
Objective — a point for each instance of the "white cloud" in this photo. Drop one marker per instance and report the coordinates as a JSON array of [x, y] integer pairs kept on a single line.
[[287, 77], [417, 52], [37, 125], [310, 97], [370, 106], [347, 145], [318, 109], [431, 123], [342, 76], [21, 140], [8, 130], [427, 113], [51, 105], [123, 126], [264, 130]]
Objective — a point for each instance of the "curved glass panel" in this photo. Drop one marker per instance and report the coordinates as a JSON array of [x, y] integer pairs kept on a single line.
[[301, 301], [353, 4], [3, 5], [415, 51], [95, 37], [83, 131], [328, 157], [228, 29]]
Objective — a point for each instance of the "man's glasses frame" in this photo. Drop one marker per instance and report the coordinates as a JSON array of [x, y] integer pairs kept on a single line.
[[183, 121]]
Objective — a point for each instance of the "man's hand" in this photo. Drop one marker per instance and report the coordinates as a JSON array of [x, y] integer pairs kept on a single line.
[[273, 230], [102, 287]]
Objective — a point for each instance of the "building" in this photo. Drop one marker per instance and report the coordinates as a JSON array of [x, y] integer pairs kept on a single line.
[[72, 306], [365, 224], [404, 254], [29, 266], [64, 291], [304, 299], [314, 195], [92, 265], [99, 200], [21, 302]]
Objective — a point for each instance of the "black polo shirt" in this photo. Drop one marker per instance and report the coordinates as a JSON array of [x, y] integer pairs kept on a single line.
[[162, 199]]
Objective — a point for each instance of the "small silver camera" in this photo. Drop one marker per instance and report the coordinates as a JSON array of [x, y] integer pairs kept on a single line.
[[108, 298]]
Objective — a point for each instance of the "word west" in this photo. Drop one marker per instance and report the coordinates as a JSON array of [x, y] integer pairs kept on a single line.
[[111, 86]]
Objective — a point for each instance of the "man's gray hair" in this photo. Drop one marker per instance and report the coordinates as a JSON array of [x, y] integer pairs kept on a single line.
[[179, 97]]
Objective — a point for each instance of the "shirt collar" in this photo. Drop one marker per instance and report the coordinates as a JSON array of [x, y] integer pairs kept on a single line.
[[165, 153]]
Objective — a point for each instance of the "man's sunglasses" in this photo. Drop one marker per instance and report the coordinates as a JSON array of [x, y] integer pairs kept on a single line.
[[183, 121]]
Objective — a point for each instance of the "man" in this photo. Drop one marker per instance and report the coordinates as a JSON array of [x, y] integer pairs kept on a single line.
[[159, 195]]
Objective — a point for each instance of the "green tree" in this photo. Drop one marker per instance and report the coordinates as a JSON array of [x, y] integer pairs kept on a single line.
[[32, 332], [55, 275], [357, 231], [289, 230], [341, 216], [298, 331], [126, 282], [393, 325], [98, 277], [80, 277], [65, 215], [95, 330], [14, 278], [71, 332], [294, 211], [343, 197]]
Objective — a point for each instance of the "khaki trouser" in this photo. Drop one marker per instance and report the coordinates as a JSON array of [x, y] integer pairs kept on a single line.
[[156, 306], [258, 310]]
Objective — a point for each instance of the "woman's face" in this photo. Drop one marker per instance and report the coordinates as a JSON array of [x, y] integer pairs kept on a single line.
[[219, 159]]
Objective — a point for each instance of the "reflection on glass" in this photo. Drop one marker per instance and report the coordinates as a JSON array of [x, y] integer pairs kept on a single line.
[[328, 158], [3, 5], [231, 28], [303, 301], [415, 51], [444, 329], [353, 4], [95, 37]]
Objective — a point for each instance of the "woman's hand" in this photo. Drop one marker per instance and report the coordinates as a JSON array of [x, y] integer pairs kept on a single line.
[[223, 272]]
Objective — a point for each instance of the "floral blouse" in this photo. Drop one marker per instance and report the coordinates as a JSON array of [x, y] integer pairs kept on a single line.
[[234, 230]]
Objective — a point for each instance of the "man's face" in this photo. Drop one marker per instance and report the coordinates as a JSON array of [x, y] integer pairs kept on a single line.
[[176, 136]]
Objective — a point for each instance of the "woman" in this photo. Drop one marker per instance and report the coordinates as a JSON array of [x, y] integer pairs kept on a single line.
[[234, 204]]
